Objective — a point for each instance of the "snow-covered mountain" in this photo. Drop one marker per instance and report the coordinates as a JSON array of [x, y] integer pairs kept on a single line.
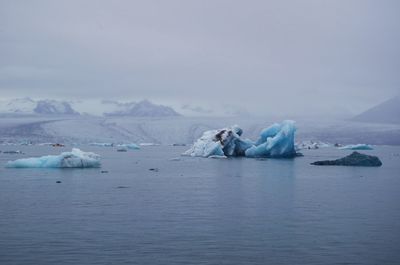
[[28, 106], [54, 107], [143, 108], [386, 112], [18, 106]]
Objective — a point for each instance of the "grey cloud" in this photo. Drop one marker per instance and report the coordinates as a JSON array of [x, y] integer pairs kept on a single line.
[[263, 56]]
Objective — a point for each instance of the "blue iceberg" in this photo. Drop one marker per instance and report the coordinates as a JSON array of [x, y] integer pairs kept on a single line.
[[74, 159], [274, 141]]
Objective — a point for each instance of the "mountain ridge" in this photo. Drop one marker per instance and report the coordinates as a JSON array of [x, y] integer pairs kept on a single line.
[[143, 108], [385, 112], [28, 106]]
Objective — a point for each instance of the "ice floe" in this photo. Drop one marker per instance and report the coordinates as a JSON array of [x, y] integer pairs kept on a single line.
[[74, 159], [357, 147]]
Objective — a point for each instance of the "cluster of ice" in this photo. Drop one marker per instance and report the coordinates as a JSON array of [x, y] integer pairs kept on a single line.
[[312, 145], [74, 159], [274, 141], [357, 147]]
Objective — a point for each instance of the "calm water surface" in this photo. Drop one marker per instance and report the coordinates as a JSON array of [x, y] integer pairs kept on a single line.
[[200, 211]]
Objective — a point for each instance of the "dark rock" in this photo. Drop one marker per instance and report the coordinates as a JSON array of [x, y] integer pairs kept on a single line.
[[355, 159], [104, 171], [58, 181], [12, 152], [122, 150], [178, 144], [153, 169]]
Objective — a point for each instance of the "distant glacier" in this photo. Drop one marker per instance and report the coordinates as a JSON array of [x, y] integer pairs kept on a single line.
[[179, 129]]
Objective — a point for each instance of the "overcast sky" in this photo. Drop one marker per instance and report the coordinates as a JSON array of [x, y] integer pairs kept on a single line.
[[332, 57]]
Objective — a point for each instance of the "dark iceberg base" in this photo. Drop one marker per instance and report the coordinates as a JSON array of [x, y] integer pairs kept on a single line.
[[354, 159]]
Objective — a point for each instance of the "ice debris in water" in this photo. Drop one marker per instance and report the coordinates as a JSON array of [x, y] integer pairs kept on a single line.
[[311, 145], [129, 146], [149, 144], [74, 159], [274, 141], [102, 144], [357, 147]]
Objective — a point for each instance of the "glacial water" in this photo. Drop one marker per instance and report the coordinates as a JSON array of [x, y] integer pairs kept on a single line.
[[154, 207]]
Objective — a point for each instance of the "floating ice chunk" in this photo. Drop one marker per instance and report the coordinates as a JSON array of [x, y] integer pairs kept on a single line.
[[217, 157], [275, 141], [102, 144], [129, 146], [312, 145], [74, 159], [223, 142], [357, 147]]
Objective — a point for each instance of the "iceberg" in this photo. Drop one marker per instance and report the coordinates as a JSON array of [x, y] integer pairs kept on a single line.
[[222, 142], [149, 144], [74, 159], [357, 147], [274, 141], [129, 146]]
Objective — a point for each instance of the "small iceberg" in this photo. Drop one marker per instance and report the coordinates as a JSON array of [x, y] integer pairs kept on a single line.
[[74, 159], [312, 145], [356, 147], [131, 146], [274, 141]]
